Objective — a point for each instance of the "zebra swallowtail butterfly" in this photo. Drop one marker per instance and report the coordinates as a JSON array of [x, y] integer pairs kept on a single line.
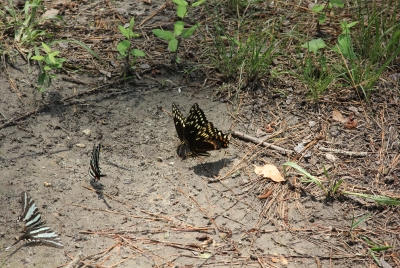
[[94, 169], [34, 229], [197, 135]]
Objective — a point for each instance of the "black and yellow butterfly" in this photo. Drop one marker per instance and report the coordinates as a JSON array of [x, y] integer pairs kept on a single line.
[[197, 135]]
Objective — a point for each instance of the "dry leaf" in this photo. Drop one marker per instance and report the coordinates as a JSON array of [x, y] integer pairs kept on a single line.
[[269, 171], [50, 13], [351, 122], [337, 116]]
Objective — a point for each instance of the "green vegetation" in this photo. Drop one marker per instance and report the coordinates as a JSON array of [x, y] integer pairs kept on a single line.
[[333, 187], [48, 64], [25, 23], [124, 47], [174, 38]]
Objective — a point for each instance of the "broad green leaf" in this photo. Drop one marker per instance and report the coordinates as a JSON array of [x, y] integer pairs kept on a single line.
[[181, 11], [180, 2], [38, 58], [344, 46], [51, 58], [123, 46], [165, 35], [338, 3], [46, 47], [124, 31], [322, 18], [317, 8], [137, 53], [173, 45], [198, 3], [178, 27], [54, 53], [351, 24], [42, 78], [47, 68], [189, 32], [314, 45]]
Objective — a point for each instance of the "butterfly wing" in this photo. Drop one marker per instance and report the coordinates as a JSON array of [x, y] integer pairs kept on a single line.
[[34, 229], [208, 139], [179, 121]]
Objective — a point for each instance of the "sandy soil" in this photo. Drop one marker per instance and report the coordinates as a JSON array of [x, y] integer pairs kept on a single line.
[[159, 211]]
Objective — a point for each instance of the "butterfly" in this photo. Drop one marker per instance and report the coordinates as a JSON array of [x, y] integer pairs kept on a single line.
[[94, 169], [34, 229], [196, 133]]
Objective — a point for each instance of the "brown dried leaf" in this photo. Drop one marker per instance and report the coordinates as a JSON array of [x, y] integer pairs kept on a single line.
[[50, 13], [337, 116], [269, 171]]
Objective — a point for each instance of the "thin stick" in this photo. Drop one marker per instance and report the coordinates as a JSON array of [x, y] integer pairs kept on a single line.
[[243, 136]]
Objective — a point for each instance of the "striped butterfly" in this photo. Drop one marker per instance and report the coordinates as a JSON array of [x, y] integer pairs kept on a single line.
[[94, 169], [34, 229], [197, 135]]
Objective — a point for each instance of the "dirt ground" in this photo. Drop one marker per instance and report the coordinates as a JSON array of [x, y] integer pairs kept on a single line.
[[159, 211]]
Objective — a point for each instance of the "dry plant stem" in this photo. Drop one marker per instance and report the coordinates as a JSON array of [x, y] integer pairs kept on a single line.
[[243, 136], [75, 262], [153, 14], [339, 151]]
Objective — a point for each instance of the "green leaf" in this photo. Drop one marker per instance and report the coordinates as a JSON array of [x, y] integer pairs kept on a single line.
[[351, 24], [189, 32], [38, 58], [380, 248], [132, 23], [51, 58], [178, 27], [123, 46], [198, 3], [54, 53], [46, 48], [317, 8], [165, 35], [124, 31], [180, 2], [173, 45], [344, 46], [314, 45], [181, 11], [137, 53], [46, 68], [377, 198], [338, 3], [322, 18]]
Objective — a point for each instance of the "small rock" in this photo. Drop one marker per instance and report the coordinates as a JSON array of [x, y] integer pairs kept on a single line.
[[87, 132], [80, 145]]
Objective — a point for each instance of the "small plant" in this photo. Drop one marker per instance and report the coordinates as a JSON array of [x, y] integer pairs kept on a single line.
[[179, 32], [25, 23], [249, 57], [383, 200], [314, 69], [323, 9], [48, 64], [124, 47]]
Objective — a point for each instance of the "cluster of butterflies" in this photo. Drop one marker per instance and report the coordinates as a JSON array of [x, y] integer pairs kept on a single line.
[[197, 136]]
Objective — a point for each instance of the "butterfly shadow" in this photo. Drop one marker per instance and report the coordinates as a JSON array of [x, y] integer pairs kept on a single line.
[[99, 187], [211, 169]]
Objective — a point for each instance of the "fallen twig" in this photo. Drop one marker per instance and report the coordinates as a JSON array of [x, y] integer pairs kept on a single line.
[[243, 136], [339, 151]]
